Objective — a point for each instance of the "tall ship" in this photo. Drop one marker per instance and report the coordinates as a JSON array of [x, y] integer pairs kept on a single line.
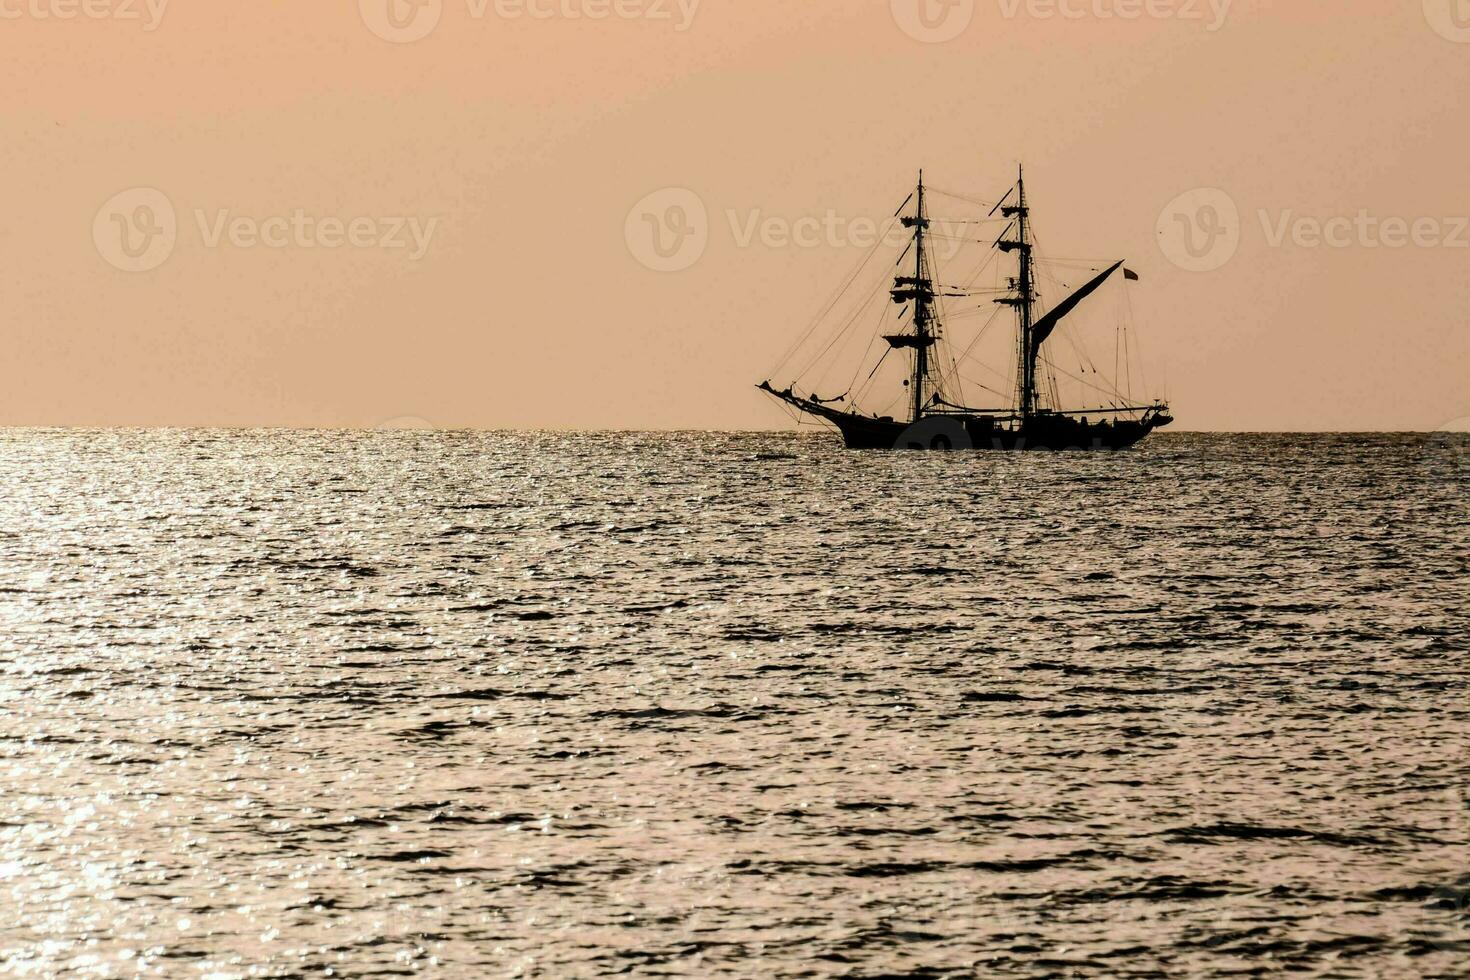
[[929, 410]]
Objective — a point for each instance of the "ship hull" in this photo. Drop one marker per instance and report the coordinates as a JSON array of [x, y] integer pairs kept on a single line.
[[1054, 433], [1078, 431]]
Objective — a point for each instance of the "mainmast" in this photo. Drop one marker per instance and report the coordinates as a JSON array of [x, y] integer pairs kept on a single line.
[[922, 295], [1028, 300], [1024, 299]]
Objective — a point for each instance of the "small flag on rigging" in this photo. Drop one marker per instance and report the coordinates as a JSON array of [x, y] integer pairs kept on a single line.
[[1130, 275]]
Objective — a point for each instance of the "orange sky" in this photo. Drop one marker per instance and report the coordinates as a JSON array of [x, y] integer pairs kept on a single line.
[[516, 145]]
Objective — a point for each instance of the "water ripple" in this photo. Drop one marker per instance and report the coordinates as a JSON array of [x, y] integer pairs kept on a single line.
[[748, 705]]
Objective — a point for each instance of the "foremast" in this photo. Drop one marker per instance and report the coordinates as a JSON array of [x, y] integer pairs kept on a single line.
[[919, 290], [923, 296]]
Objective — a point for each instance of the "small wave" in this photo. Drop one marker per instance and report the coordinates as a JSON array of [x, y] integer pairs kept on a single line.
[[1214, 833]]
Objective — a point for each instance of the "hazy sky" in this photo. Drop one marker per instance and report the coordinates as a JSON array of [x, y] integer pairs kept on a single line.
[[296, 214]]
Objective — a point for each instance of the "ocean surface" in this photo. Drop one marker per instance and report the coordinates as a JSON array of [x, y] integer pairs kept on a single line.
[[476, 704]]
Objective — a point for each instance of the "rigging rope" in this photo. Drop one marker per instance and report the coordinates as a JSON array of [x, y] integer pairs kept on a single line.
[[848, 325], [961, 197], [831, 303]]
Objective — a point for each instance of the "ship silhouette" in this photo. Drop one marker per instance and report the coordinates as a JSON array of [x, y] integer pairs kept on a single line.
[[935, 415]]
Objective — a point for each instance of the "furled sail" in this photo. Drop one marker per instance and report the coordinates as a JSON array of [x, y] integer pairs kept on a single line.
[[1041, 329], [909, 288]]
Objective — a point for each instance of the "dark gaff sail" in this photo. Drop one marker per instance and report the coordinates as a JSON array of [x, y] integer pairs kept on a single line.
[[1043, 327]]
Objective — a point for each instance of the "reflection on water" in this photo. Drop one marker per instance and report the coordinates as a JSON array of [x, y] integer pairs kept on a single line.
[[272, 703]]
